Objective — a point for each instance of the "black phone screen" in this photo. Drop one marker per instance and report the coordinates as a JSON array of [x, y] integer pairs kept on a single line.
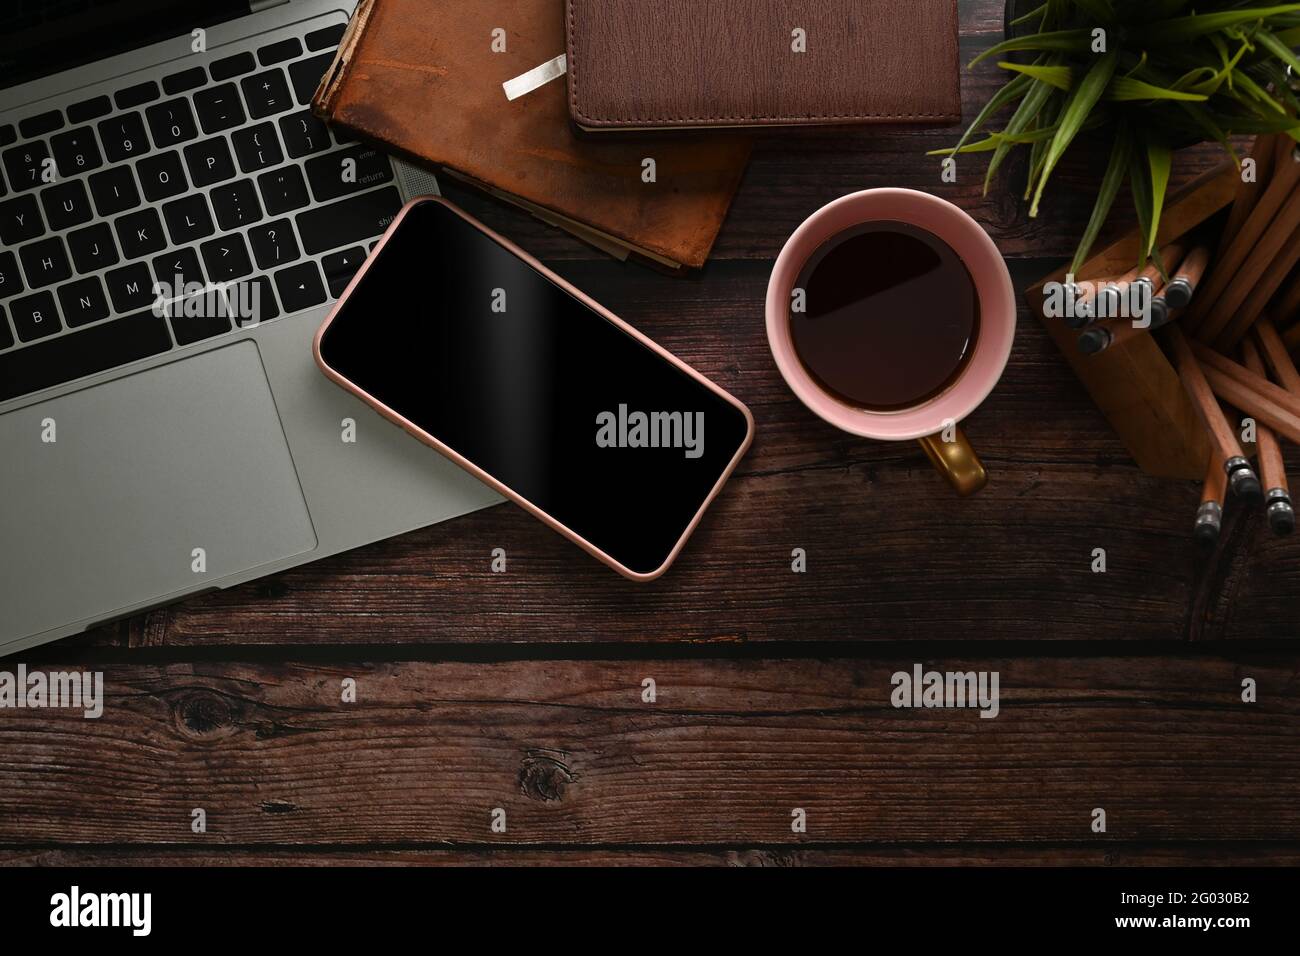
[[504, 366]]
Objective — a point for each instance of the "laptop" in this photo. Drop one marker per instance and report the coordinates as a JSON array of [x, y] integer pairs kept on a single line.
[[174, 225]]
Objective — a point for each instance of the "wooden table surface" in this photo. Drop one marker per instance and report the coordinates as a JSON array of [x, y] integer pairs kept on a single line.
[[523, 690]]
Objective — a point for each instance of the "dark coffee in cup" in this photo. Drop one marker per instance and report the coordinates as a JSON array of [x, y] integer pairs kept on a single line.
[[890, 316]]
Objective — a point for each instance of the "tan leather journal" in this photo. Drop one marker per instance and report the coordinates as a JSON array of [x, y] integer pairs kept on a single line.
[[664, 64], [424, 77]]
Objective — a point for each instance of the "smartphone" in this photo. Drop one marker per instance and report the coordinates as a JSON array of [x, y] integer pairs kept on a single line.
[[476, 348]]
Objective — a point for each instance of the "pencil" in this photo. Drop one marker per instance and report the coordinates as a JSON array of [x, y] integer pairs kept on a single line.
[[1260, 292], [1286, 308], [1108, 334], [1292, 337], [1082, 313], [1280, 190], [1264, 151], [1140, 287], [1275, 353], [1272, 468], [1241, 477], [1182, 286], [1253, 394], [1246, 276], [1209, 516], [1109, 296]]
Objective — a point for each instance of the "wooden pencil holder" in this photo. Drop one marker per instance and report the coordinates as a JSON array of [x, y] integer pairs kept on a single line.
[[1133, 384]]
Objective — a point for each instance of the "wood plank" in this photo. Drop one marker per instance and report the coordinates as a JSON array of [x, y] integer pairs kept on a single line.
[[967, 854], [1164, 744], [892, 553]]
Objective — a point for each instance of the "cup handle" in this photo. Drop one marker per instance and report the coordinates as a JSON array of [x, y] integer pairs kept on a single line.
[[956, 460]]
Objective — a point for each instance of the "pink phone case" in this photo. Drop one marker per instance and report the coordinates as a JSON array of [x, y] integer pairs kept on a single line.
[[479, 473]]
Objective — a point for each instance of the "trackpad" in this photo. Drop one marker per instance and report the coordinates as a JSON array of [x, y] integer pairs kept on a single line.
[[158, 483]]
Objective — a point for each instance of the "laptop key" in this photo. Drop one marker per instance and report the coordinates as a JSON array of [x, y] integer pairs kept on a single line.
[[232, 66], [76, 151], [188, 219], [300, 286], [236, 204], [11, 283], [140, 233], [7, 134], [41, 123], [20, 220], [283, 190], [93, 248], [83, 302], [340, 267], [66, 204], [94, 349], [256, 147], [130, 287], [6, 337], [124, 137], [189, 79], [161, 175], [25, 165], [202, 323], [45, 262], [325, 38], [209, 161], [306, 75], [266, 93], [349, 220], [226, 258], [279, 52], [35, 316], [171, 122], [347, 171], [303, 133], [273, 244], [252, 301], [89, 109], [136, 95], [180, 267], [219, 107], [114, 190]]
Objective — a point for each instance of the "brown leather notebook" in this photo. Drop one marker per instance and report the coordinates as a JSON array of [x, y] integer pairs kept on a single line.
[[636, 64], [422, 77]]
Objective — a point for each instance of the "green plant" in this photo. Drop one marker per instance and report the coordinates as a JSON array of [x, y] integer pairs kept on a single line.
[[1153, 75]]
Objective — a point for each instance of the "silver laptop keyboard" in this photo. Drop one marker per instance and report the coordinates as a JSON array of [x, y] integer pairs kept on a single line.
[[216, 176]]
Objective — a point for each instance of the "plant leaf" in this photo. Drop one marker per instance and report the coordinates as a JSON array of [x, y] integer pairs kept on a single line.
[[1116, 170], [1182, 29], [1124, 88], [1061, 77], [1009, 92], [1067, 41], [1029, 108], [1140, 186], [1075, 114], [1160, 160], [1278, 49]]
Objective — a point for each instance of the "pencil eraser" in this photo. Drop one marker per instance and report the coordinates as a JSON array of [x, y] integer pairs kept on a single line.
[[1247, 487], [1207, 535], [1281, 518], [1092, 341]]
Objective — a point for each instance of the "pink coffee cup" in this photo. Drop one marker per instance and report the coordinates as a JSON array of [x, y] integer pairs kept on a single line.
[[933, 421]]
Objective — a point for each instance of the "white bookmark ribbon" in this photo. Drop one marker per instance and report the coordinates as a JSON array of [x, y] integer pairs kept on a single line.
[[538, 76]]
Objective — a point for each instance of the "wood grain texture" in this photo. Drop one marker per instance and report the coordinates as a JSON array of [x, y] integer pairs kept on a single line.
[[522, 690], [892, 554], [569, 750], [1110, 854]]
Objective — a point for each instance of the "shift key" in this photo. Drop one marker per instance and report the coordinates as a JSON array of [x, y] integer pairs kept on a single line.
[[350, 221]]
